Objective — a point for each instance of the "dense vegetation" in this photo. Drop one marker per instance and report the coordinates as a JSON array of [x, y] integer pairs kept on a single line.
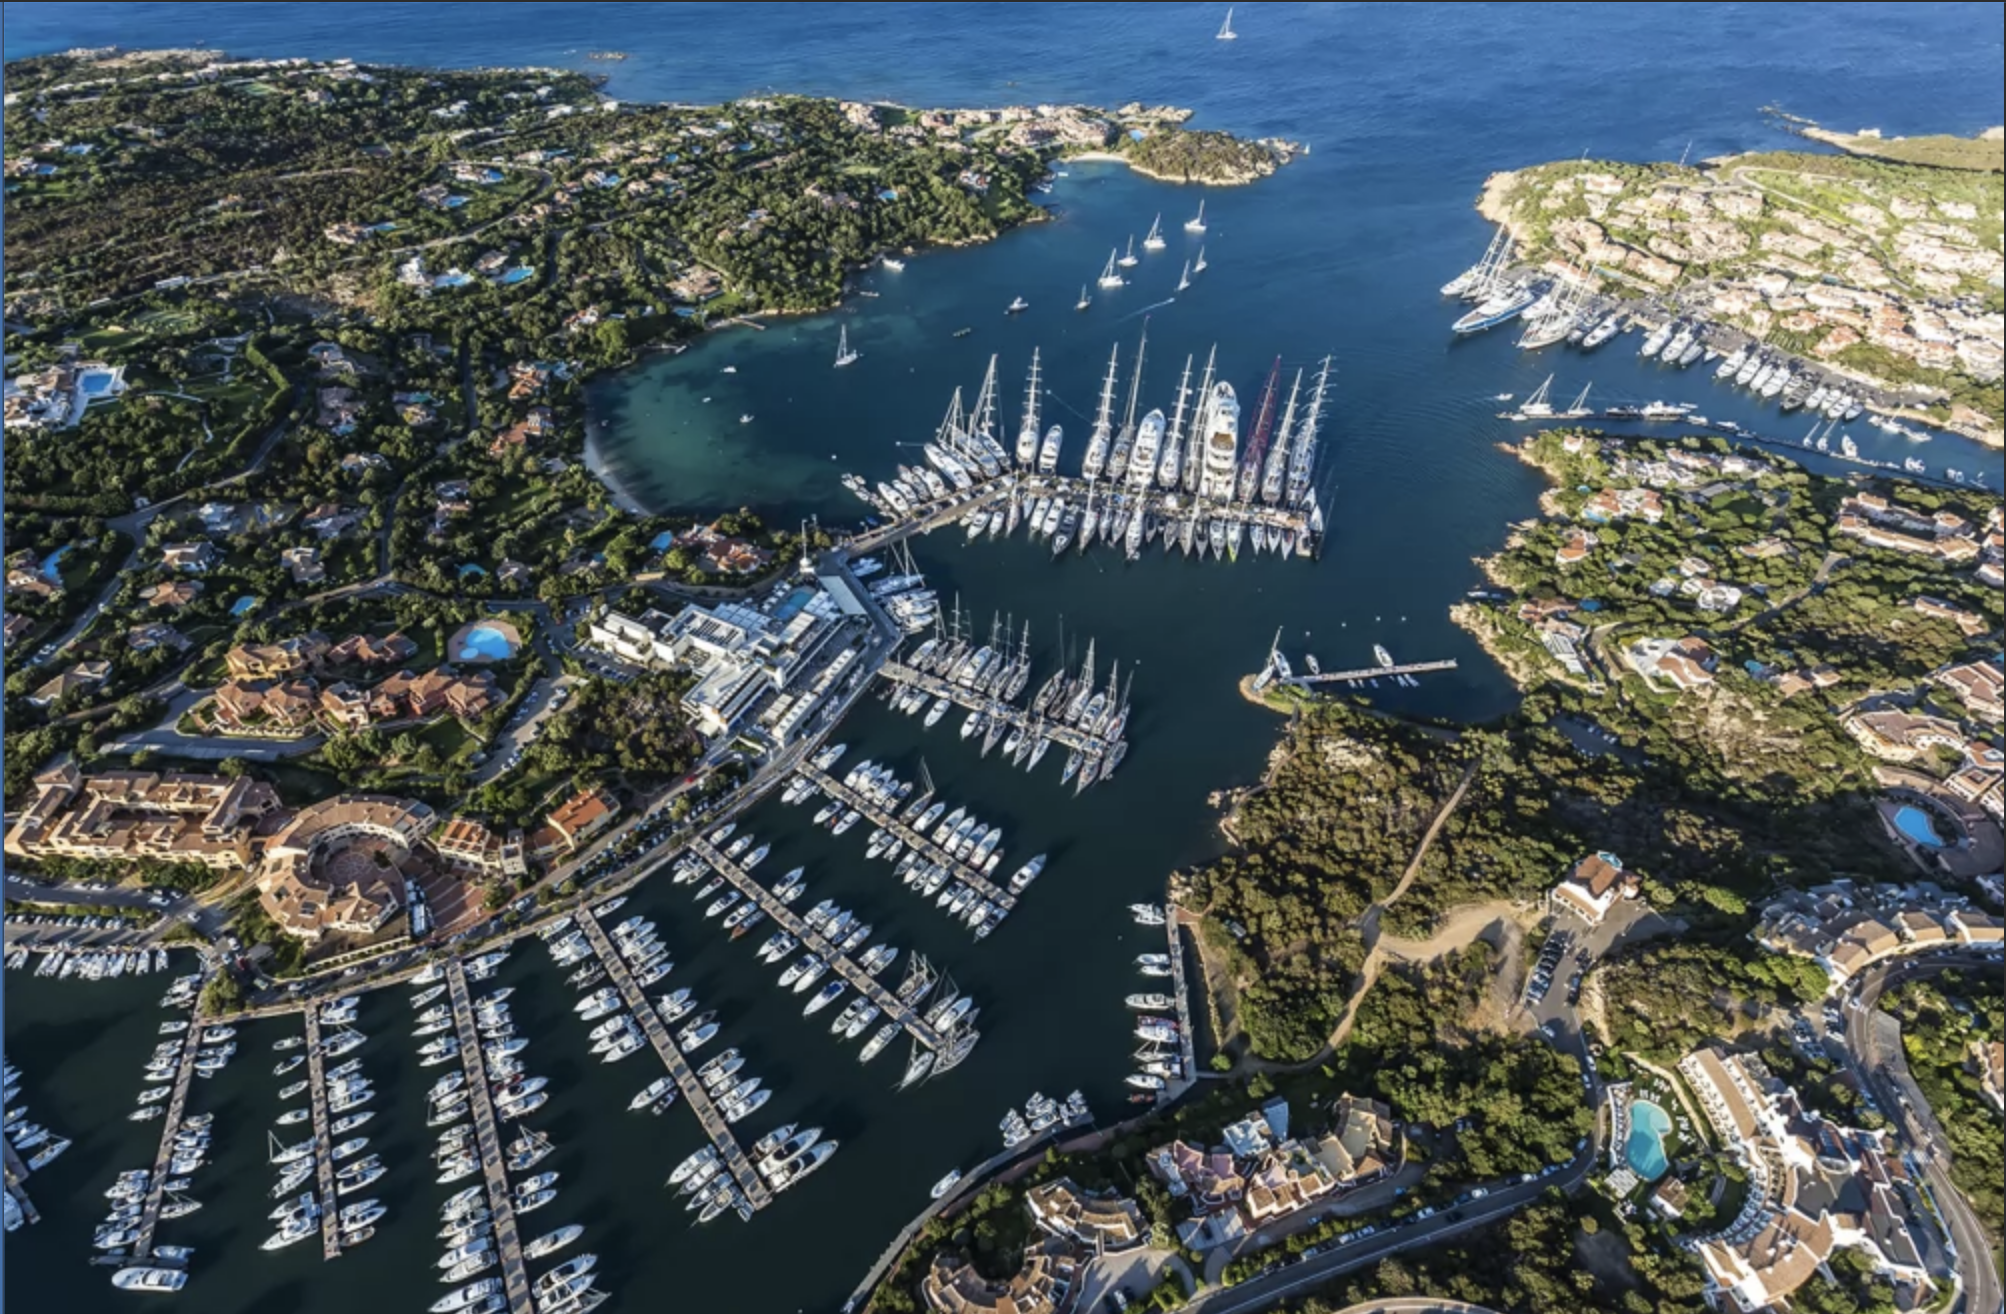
[[1667, 998], [1941, 1020]]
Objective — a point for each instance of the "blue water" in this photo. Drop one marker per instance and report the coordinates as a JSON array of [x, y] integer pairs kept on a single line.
[[52, 565], [94, 383], [516, 275], [1916, 826], [1407, 109], [485, 643], [243, 604], [1645, 1149], [791, 605]]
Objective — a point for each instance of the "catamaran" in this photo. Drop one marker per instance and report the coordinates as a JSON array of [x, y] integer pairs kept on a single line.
[[845, 356]]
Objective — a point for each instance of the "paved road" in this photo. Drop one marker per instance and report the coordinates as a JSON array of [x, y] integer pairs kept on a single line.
[[1874, 1048], [214, 748]]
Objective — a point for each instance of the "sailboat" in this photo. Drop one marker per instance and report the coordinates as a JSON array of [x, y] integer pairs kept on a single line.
[[1109, 278], [1226, 32], [844, 356], [1154, 241], [1198, 265], [1129, 258], [1084, 300], [1027, 433], [1196, 224], [1185, 281]]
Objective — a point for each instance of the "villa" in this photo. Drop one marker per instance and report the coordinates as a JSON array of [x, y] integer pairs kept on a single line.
[[1685, 664], [260, 661], [132, 815], [1101, 1221], [1593, 888], [173, 594], [368, 650], [253, 706], [84, 675], [191, 557], [1979, 686], [304, 564], [576, 820], [1970, 622], [1898, 736], [1043, 1285]]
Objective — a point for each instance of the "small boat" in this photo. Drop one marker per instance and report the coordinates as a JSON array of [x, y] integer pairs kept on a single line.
[[1017, 306], [945, 1184]]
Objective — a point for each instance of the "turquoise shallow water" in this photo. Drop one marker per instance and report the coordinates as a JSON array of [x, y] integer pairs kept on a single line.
[[1406, 108]]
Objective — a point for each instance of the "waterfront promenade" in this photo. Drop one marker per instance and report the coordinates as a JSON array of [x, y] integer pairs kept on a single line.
[[729, 1151], [323, 1141], [887, 820], [487, 1140], [890, 1006], [177, 1106]]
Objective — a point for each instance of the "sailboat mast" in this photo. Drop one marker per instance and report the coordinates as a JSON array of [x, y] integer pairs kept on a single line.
[[1193, 449], [1135, 381], [1278, 458]]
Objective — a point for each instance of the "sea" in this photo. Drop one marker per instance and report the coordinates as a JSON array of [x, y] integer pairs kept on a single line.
[[1406, 109]]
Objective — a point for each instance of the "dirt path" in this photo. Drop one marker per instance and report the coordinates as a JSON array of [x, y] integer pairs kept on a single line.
[[1428, 838]]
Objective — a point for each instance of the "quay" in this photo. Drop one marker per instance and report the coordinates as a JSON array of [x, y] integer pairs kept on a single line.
[[1058, 732], [729, 1151], [487, 1139], [926, 518], [177, 1105], [1186, 1044], [17, 1173], [890, 1006], [913, 839], [323, 1141], [1365, 673]]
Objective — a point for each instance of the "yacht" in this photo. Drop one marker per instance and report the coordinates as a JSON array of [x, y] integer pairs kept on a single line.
[[1017, 306], [149, 1277], [1129, 259]]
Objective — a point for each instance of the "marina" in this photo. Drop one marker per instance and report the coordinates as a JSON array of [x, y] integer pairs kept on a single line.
[[515, 1286], [723, 1141], [323, 1138], [948, 1048], [170, 1127], [914, 841]]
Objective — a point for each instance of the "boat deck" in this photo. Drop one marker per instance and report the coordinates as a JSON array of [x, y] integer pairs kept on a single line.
[[729, 1151], [323, 1140], [487, 1139], [890, 1006], [177, 1105], [926, 848]]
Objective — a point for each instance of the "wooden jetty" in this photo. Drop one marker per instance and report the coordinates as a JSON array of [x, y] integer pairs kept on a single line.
[[1057, 731], [890, 1006], [487, 1140], [1367, 673], [927, 517], [323, 1140], [177, 1105], [1182, 994], [887, 819], [729, 1152]]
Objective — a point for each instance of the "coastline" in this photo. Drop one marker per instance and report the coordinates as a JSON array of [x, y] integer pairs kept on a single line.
[[1116, 157], [595, 462]]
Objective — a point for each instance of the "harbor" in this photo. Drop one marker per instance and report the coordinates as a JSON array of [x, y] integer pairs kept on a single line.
[[694, 1092], [501, 1198], [323, 1138], [914, 841], [170, 1128]]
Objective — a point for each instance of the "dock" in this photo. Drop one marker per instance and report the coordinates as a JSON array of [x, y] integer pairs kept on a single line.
[[926, 518], [17, 1173], [487, 1139], [1181, 992], [890, 1006], [888, 821], [1367, 673], [177, 1105], [323, 1140], [1059, 733], [729, 1151]]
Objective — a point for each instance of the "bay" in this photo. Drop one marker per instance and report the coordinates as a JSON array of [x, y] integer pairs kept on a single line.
[[1406, 109]]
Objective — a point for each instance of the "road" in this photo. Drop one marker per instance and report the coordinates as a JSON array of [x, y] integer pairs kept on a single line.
[[166, 739], [1873, 1044], [179, 907]]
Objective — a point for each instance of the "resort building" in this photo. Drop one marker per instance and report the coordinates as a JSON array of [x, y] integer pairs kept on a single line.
[[473, 850], [368, 650], [740, 654], [1980, 686], [1898, 736], [265, 706], [1102, 1222], [136, 815], [266, 661], [1846, 933], [340, 865], [1970, 622], [1814, 1188], [1043, 1285], [576, 820], [1363, 1145], [1592, 888]]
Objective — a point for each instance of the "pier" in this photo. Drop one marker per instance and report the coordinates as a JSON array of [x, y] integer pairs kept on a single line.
[[926, 517], [323, 1140], [890, 1006], [729, 1151], [1058, 732], [177, 1105], [1364, 673], [17, 1173], [1186, 1045], [888, 821], [487, 1139]]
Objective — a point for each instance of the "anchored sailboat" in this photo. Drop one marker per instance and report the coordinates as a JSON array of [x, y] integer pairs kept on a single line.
[[1154, 241], [1129, 258], [1084, 300], [1109, 278], [1185, 281], [1226, 32], [1196, 224], [844, 356]]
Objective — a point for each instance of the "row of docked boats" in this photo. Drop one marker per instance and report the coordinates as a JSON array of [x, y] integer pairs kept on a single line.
[[135, 1192], [1160, 1059], [346, 1091], [1040, 1114], [37, 1145], [92, 964]]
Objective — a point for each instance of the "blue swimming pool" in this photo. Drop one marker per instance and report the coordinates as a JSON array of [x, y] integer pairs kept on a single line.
[[791, 605], [94, 383], [1645, 1148], [51, 566], [1916, 827], [516, 275], [663, 541], [485, 643], [243, 604]]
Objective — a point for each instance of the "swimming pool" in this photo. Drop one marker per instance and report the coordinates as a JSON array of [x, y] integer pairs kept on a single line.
[[243, 604], [485, 643], [791, 605], [663, 541], [51, 567], [516, 275], [95, 383], [1645, 1147], [1916, 827]]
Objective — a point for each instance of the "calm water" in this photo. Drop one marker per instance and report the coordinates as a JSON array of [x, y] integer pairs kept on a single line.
[[1406, 110]]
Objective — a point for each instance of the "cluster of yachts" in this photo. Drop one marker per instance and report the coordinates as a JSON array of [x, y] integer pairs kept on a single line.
[[1041, 1113], [782, 1157], [907, 600], [346, 1092], [988, 679], [214, 1048], [90, 964], [1198, 486], [467, 1229], [164, 1268], [1161, 1055], [38, 1146]]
